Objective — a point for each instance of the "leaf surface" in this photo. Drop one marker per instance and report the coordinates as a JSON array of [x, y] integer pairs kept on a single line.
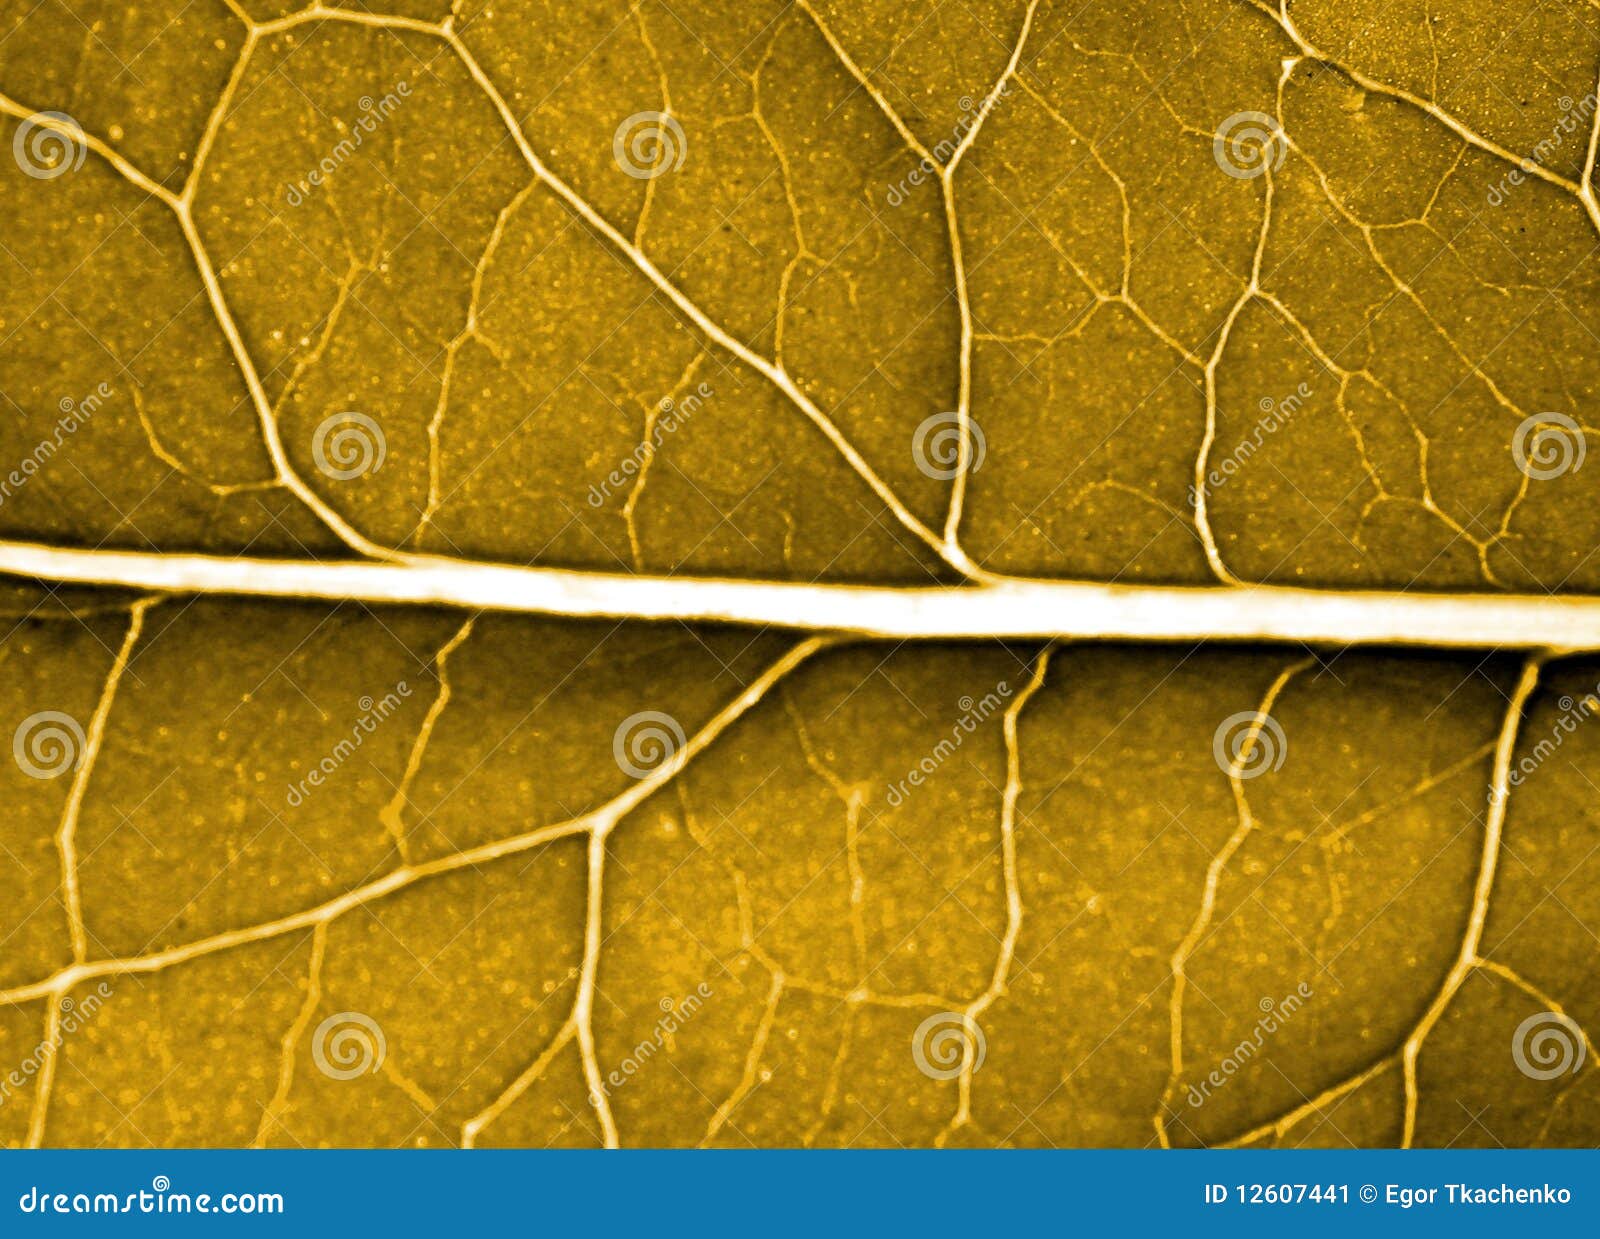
[[971, 296]]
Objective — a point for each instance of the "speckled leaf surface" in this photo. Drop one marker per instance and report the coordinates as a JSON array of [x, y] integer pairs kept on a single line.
[[907, 295]]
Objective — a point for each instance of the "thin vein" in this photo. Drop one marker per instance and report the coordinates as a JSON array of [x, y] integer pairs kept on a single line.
[[182, 209], [603, 818], [1468, 955], [1493, 832], [1012, 880], [67, 835]]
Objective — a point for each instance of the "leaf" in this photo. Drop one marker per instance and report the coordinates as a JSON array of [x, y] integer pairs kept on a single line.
[[803, 574]]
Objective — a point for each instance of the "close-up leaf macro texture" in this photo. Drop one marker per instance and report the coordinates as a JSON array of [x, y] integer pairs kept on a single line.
[[891, 573]]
